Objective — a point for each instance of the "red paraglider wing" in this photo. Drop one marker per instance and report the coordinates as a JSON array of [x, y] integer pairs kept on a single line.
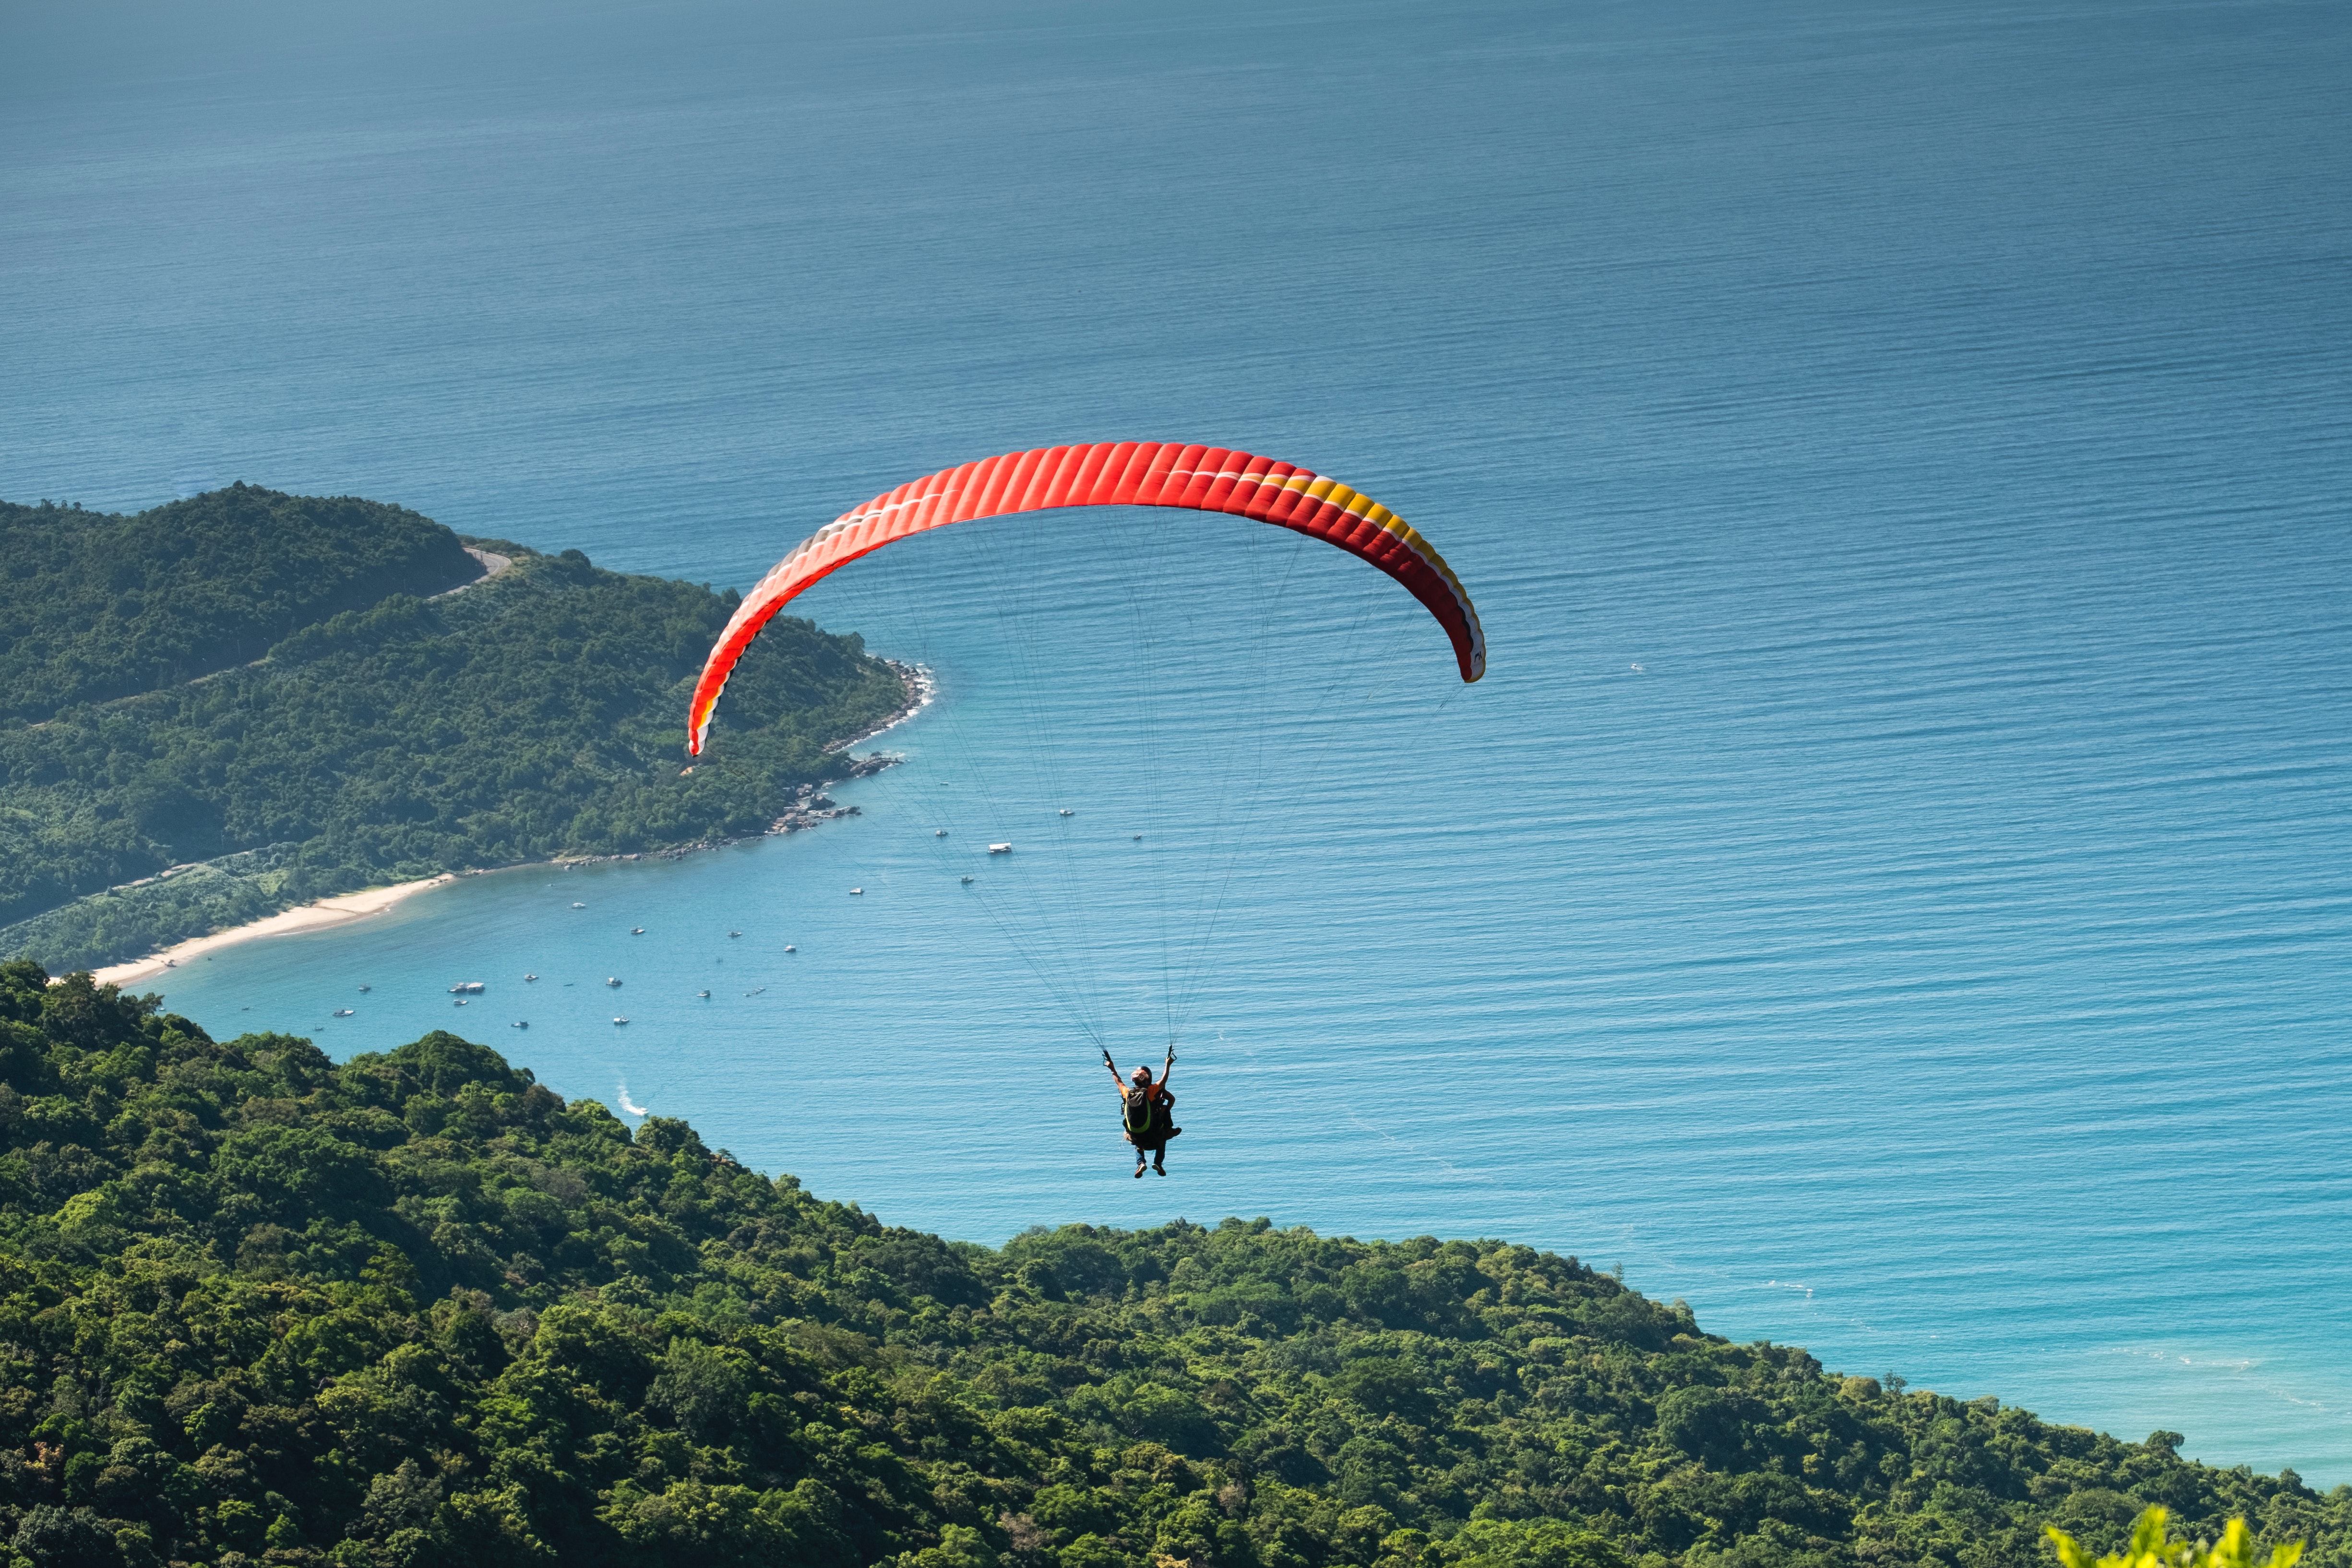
[[1104, 473]]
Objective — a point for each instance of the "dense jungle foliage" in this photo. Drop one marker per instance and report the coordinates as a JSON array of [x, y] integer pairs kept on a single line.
[[94, 604], [537, 713], [418, 1309]]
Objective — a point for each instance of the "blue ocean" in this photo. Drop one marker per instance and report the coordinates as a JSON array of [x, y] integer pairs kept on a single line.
[[1894, 888]]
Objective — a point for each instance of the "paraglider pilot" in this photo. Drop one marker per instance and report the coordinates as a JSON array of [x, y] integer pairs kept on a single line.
[[1147, 1112]]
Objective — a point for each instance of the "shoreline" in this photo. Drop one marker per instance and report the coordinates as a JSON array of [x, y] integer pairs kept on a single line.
[[810, 805], [341, 910], [812, 808], [921, 686]]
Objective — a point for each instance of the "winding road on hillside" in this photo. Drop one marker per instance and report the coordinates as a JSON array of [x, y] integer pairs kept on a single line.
[[492, 564]]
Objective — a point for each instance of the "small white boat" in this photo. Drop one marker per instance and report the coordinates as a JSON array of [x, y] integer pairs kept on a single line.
[[789, 948], [1000, 849], [620, 1020], [342, 1012], [636, 931], [734, 933], [519, 1024], [579, 906], [1067, 812], [460, 1002], [702, 993], [967, 881], [367, 988], [856, 892], [938, 833], [467, 988], [611, 980], [529, 977]]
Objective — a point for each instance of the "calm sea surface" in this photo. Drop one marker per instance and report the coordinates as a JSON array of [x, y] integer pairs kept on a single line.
[[1934, 952]]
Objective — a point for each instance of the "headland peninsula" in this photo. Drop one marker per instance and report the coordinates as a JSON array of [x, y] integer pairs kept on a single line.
[[227, 708]]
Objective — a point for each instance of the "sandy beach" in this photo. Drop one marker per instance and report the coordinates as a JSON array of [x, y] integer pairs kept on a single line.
[[922, 689], [326, 912]]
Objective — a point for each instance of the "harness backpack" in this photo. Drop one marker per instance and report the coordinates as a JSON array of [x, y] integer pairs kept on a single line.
[[1144, 1114]]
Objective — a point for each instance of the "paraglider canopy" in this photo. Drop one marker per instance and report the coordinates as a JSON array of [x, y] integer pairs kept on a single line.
[[1108, 473]]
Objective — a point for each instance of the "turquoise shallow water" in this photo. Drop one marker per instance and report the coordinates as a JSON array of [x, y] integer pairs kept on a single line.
[[1932, 954]]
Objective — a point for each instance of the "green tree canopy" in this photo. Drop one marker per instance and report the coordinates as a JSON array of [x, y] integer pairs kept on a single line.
[[96, 604], [416, 1309], [535, 714]]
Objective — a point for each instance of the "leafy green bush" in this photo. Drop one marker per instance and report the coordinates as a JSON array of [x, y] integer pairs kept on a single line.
[[2149, 1549]]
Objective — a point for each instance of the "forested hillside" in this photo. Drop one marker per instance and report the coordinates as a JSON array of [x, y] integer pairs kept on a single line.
[[537, 713], [94, 604], [418, 1309]]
